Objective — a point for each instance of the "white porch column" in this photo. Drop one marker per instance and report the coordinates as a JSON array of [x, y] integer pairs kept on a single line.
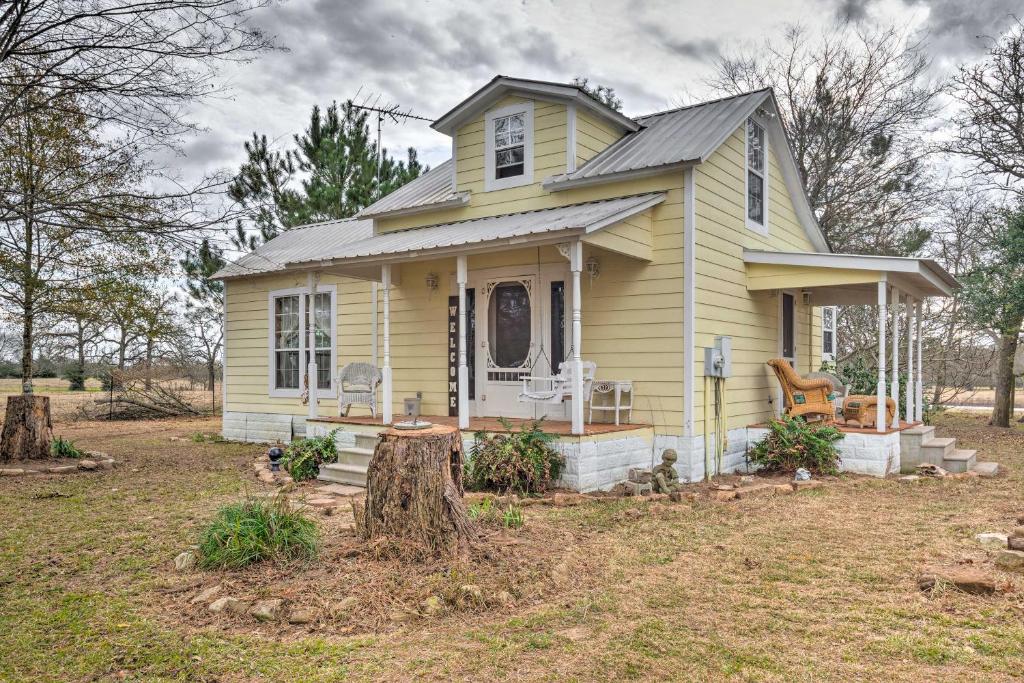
[[576, 265], [895, 391], [385, 371], [312, 280], [461, 275], [911, 414], [919, 390], [880, 422]]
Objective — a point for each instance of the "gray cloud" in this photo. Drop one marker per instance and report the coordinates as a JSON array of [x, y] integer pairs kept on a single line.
[[690, 48]]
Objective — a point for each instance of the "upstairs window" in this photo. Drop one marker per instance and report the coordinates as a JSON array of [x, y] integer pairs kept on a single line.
[[757, 177], [508, 147]]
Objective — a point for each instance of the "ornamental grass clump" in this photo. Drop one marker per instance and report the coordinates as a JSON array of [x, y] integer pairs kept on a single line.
[[65, 448], [256, 530], [303, 458], [522, 461], [792, 443]]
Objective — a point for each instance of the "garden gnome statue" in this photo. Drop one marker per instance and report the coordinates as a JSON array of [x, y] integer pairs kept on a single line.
[[666, 479]]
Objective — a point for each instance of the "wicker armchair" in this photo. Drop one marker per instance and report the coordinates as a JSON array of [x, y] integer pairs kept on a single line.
[[803, 397], [357, 384]]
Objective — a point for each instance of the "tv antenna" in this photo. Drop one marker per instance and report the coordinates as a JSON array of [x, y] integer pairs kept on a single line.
[[384, 112]]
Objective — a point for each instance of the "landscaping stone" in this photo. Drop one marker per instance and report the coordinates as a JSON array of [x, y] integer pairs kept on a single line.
[[746, 480], [635, 488], [1020, 520], [967, 580], [301, 615], [185, 561], [206, 595], [341, 490], [88, 465], [808, 484], [723, 495], [11, 472], [755, 491], [1018, 532], [1011, 560], [107, 464], [62, 469], [566, 499], [267, 610], [432, 606], [991, 539], [228, 604], [782, 489], [910, 479], [265, 476], [1015, 543], [322, 502], [725, 487]]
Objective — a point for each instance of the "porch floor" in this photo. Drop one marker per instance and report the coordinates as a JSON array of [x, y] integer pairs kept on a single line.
[[851, 429], [491, 424]]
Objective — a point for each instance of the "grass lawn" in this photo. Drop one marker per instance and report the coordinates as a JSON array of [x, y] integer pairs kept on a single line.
[[819, 585]]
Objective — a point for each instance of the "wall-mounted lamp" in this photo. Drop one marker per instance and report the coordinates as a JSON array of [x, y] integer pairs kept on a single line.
[[806, 296], [593, 267], [431, 282]]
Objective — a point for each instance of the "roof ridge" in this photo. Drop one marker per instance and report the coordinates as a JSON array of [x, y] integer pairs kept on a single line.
[[700, 104]]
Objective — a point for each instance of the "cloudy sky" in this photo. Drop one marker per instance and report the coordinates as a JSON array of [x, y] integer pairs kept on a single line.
[[427, 56]]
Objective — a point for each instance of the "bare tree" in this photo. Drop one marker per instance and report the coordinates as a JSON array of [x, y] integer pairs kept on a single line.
[[855, 102]]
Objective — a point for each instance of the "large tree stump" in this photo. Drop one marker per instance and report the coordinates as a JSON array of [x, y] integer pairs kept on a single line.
[[414, 491], [27, 428]]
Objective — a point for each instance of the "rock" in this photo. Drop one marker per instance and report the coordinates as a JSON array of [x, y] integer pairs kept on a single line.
[[11, 472], [206, 594], [322, 502], [991, 539], [746, 480], [782, 489], [1018, 532], [62, 469], [561, 573], [910, 479], [88, 465], [432, 606], [967, 580], [755, 491], [723, 495], [107, 464], [1011, 561], [633, 488], [265, 476], [347, 604], [228, 604], [640, 476], [267, 610], [724, 487], [185, 561], [807, 484], [1020, 520], [470, 594], [345, 490], [503, 599], [301, 615], [679, 496], [658, 496], [1015, 543], [566, 499]]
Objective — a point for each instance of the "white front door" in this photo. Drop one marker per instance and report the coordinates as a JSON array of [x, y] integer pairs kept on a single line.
[[517, 308]]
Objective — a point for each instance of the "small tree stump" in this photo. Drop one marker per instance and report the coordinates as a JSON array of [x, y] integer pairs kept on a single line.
[[414, 491], [27, 428]]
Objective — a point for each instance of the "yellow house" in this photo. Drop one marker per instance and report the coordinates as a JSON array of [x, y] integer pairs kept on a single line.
[[565, 258]]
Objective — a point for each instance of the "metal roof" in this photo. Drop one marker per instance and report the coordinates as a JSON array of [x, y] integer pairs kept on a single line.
[[353, 240], [680, 136], [432, 189]]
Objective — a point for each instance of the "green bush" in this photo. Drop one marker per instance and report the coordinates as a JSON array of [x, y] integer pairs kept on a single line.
[[256, 530], [302, 459], [64, 448], [522, 461], [792, 443]]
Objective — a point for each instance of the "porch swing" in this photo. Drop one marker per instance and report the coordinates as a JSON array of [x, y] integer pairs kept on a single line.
[[555, 389]]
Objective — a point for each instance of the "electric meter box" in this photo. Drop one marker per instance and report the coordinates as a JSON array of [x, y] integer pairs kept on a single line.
[[718, 358]]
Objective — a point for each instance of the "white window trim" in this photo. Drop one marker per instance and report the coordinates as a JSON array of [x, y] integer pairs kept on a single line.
[[490, 182], [754, 225], [826, 354], [302, 292]]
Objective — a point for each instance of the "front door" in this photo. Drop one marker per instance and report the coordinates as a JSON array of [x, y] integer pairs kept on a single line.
[[519, 332]]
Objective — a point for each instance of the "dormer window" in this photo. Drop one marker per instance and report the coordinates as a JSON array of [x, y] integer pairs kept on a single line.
[[508, 145], [757, 178]]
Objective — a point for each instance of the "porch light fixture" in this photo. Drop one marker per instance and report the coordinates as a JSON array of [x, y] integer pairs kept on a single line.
[[431, 282], [806, 296], [593, 269]]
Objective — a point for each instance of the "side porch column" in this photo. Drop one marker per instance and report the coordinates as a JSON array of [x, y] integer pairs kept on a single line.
[[911, 413], [312, 279], [385, 371], [461, 275], [576, 266], [919, 398], [896, 357], [880, 422]]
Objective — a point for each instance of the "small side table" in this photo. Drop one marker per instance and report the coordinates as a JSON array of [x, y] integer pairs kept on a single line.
[[618, 387]]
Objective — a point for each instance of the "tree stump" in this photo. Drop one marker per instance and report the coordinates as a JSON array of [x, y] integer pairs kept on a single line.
[[27, 428], [414, 491]]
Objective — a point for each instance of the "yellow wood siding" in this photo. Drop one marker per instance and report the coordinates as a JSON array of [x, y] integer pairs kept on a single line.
[[592, 136], [724, 305]]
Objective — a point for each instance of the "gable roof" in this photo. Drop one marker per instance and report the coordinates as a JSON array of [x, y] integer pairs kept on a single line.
[[435, 189], [499, 86]]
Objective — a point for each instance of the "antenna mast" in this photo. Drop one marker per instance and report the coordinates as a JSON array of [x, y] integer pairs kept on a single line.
[[393, 112]]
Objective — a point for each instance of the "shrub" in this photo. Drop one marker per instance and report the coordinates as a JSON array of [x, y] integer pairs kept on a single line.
[[302, 458], [256, 530], [64, 448], [521, 461], [792, 443]]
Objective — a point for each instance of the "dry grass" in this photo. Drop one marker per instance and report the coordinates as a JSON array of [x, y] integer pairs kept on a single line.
[[814, 586]]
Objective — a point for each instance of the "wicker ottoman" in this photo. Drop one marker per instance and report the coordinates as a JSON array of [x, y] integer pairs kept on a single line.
[[862, 409]]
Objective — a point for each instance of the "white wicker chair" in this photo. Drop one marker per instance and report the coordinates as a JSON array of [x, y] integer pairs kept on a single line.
[[558, 388], [357, 385]]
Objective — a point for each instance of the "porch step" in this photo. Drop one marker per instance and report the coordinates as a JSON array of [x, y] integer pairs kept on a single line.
[[960, 460], [352, 455], [911, 454], [341, 473], [986, 469], [366, 441], [936, 450]]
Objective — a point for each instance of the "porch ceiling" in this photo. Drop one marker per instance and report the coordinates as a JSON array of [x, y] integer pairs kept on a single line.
[[845, 279]]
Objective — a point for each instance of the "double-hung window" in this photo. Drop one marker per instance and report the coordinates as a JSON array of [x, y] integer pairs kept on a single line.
[[508, 146], [757, 177], [292, 316], [828, 333]]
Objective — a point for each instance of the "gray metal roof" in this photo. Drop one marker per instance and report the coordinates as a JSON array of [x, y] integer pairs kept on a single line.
[[686, 135], [428, 191], [353, 240]]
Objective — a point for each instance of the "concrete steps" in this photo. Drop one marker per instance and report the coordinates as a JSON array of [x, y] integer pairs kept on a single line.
[[340, 473], [352, 462], [960, 460], [919, 445]]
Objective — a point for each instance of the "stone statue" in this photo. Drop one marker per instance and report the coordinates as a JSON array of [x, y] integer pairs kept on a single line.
[[665, 478]]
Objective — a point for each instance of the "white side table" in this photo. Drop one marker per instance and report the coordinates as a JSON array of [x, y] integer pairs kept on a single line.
[[618, 387]]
